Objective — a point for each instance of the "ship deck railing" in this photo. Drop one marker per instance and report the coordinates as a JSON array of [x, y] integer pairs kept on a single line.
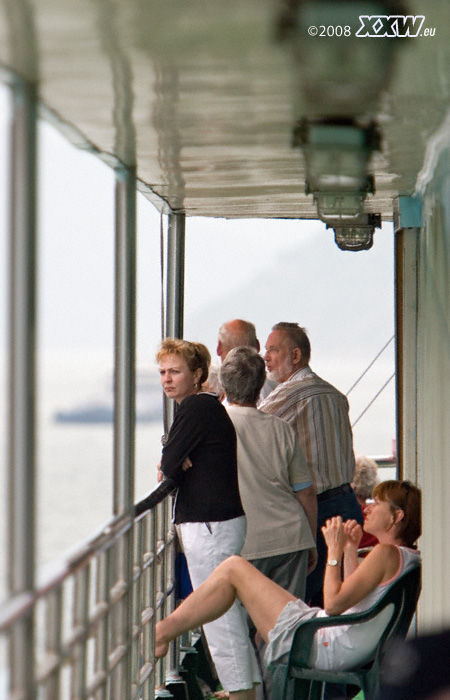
[[93, 617]]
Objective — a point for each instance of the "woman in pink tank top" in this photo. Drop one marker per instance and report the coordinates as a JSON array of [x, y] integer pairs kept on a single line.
[[394, 518]]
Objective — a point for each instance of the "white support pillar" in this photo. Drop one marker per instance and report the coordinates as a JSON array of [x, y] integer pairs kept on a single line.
[[121, 629], [174, 328], [22, 374], [175, 276], [125, 340], [174, 272], [407, 229]]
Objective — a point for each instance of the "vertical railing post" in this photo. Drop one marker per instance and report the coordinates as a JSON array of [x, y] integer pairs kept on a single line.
[[53, 639], [80, 613], [22, 375], [124, 404]]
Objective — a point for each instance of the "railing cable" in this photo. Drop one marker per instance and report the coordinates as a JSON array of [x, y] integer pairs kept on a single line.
[[374, 399], [371, 365]]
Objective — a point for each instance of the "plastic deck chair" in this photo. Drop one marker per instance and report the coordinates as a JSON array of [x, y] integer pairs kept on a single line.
[[296, 681]]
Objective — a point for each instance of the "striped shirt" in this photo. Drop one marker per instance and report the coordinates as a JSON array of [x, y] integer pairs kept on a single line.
[[318, 412]]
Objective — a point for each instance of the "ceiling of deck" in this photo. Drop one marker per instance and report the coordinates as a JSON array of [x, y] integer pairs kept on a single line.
[[202, 98]]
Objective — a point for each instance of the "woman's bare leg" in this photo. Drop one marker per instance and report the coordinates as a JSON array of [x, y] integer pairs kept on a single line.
[[234, 578]]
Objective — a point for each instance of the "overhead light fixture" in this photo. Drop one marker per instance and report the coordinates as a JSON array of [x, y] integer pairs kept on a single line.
[[357, 237], [337, 153], [335, 207]]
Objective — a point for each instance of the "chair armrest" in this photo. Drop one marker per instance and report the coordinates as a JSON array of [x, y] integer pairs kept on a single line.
[[303, 639], [406, 586]]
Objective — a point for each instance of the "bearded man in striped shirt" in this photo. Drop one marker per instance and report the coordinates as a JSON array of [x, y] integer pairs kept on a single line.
[[318, 412]]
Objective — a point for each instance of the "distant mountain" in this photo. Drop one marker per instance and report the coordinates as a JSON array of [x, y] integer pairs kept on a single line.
[[344, 299]]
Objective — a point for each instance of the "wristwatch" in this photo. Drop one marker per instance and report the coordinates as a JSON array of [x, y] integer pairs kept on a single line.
[[332, 562]]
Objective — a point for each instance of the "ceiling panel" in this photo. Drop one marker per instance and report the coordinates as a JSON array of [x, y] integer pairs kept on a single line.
[[203, 99]]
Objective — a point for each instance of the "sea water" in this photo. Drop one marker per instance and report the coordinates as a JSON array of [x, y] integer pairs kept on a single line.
[[74, 465]]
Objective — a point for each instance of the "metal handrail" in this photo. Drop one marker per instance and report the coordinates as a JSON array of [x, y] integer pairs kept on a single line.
[[93, 629]]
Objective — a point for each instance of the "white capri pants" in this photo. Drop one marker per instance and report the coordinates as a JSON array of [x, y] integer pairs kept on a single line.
[[205, 546]]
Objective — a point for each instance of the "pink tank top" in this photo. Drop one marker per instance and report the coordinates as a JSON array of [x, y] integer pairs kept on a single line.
[[346, 646]]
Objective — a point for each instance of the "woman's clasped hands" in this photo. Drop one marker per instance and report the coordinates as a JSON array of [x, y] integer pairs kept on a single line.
[[354, 533], [340, 536]]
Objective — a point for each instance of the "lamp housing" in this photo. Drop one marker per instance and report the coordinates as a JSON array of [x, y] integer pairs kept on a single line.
[[357, 237], [337, 153]]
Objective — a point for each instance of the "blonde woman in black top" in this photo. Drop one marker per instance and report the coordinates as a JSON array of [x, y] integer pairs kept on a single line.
[[200, 458]]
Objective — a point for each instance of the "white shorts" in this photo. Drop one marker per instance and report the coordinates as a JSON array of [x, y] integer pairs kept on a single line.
[[206, 545], [333, 648]]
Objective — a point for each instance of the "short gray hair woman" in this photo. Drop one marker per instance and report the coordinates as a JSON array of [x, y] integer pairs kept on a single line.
[[365, 479], [242, 375], [275, 483]]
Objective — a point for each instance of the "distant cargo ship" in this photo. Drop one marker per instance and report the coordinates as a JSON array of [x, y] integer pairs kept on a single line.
[[149, 405], [92, 413]]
